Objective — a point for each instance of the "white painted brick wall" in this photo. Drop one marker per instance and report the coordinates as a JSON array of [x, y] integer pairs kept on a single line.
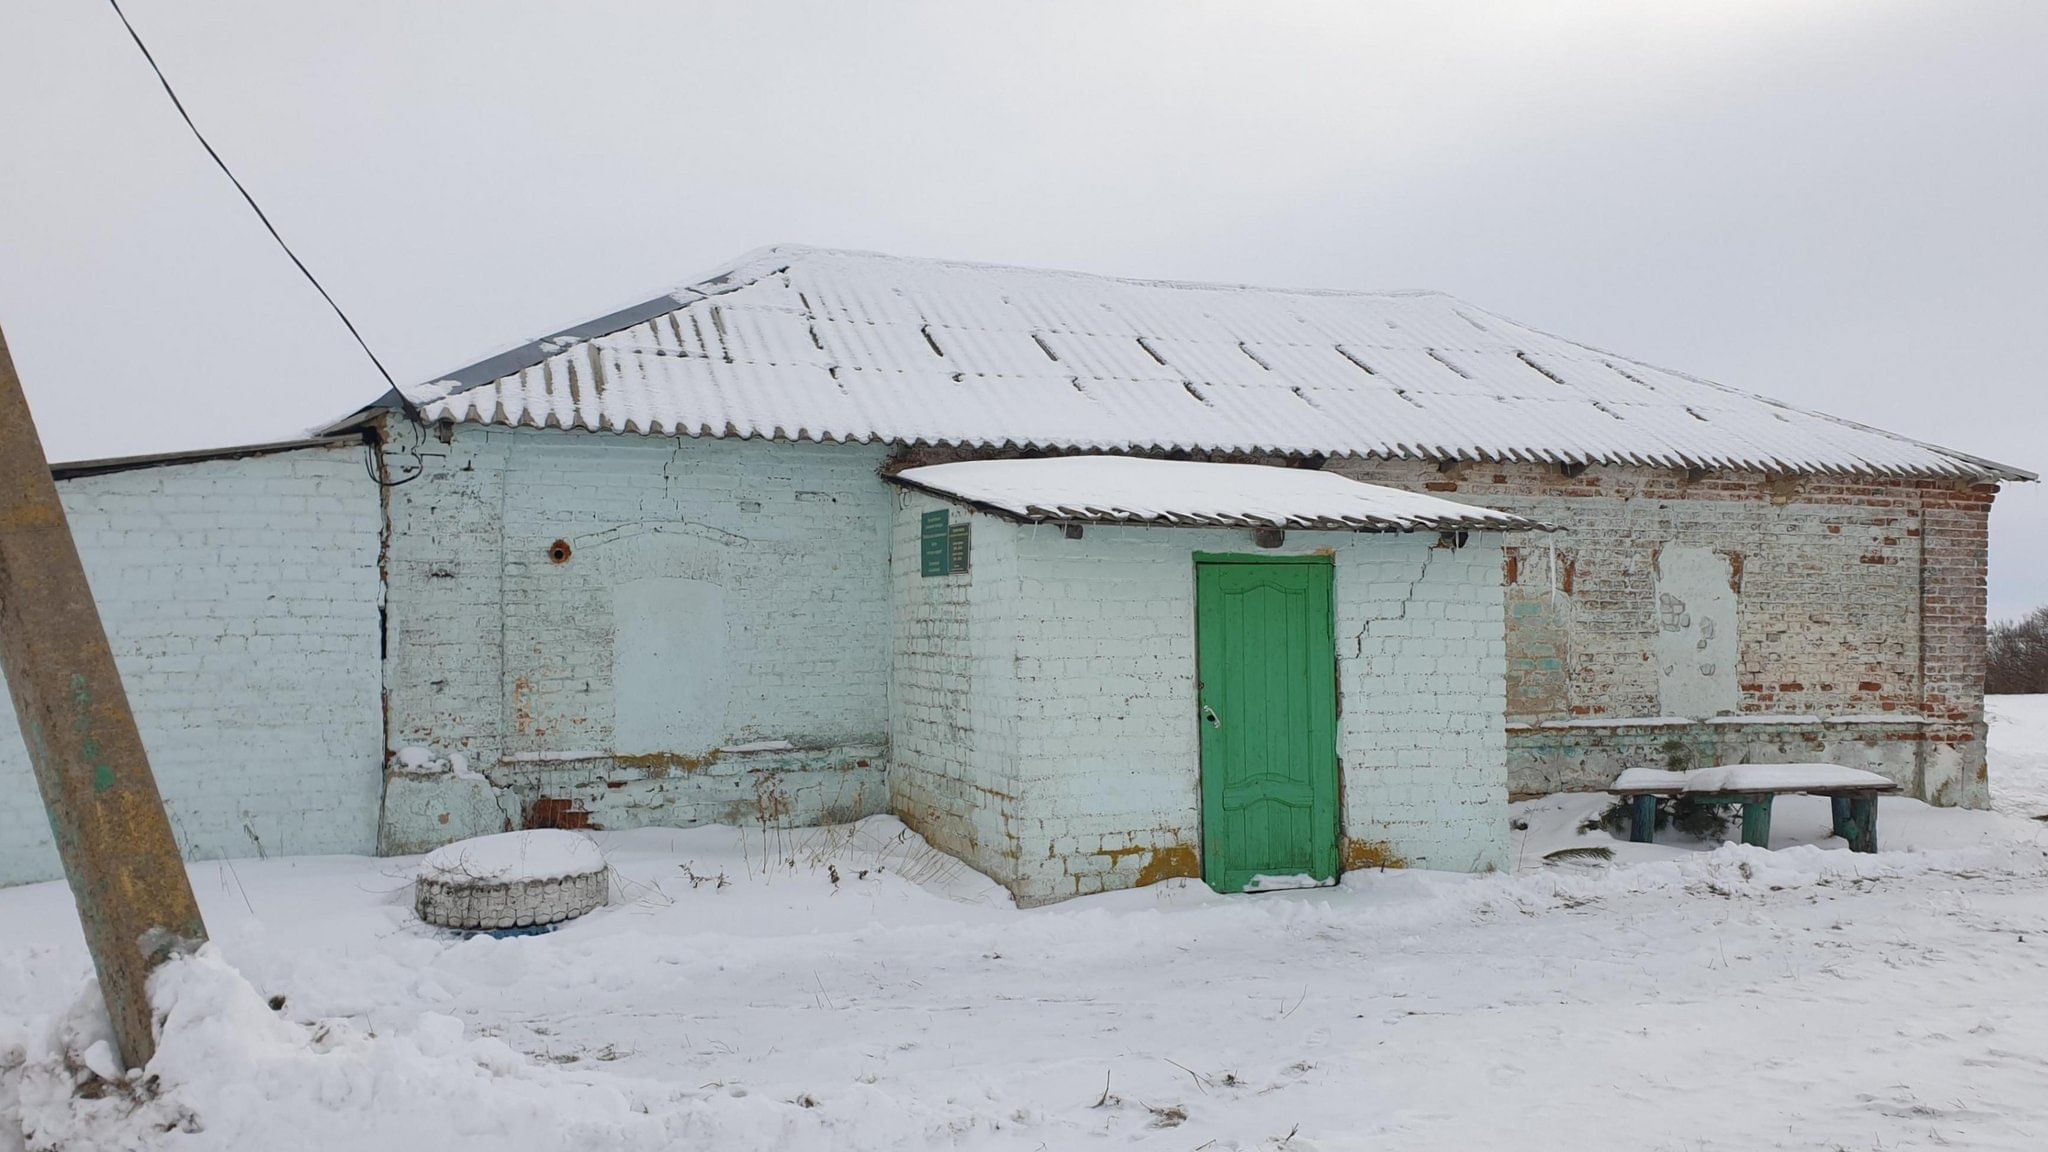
[[498, 653], [1095, 760], [1423, 660], [952, 705], [241, 599]]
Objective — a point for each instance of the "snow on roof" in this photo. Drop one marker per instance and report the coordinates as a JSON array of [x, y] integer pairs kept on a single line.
[[1133, 489], [819, 344]]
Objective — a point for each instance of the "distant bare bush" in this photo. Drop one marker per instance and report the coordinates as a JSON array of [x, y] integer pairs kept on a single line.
[[2018, 657]]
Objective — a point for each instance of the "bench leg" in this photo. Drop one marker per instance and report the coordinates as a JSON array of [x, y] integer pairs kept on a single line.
[[1642, 820], [1756, 822], [1862, 834], [1841, 806]]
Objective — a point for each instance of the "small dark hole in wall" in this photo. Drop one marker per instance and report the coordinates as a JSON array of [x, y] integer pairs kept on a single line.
[[558, 552], [1452, 540]]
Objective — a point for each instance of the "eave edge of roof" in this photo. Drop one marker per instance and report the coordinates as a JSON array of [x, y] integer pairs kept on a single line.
[[1973, 468]]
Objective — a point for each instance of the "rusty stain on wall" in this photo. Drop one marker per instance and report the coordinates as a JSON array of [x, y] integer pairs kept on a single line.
[[1735, 566], [1359, 854], [522, 713], [1177, 860], [1116, 855], [656, 765]]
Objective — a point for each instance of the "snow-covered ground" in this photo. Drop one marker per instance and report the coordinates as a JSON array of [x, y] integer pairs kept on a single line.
[[851, 988], [2019, 754]]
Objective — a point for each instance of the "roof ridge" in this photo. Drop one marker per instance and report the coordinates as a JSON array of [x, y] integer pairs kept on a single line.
[[729, 277], [751, 266], [1138, 281]]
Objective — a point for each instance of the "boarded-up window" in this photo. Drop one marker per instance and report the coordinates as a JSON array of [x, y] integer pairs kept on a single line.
[[668, 666]]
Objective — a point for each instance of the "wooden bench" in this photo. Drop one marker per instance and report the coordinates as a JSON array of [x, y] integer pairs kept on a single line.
[[1852, 792]]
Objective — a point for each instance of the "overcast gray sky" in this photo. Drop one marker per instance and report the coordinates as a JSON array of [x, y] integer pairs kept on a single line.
[[1838, 204]]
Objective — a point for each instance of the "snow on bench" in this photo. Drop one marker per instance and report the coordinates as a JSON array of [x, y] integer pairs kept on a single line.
[[1852, 791], [1782, 778], [1650, 780], [1751, 778]]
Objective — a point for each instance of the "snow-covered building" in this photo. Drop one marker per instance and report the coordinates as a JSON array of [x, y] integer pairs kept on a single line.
[[809, 539]]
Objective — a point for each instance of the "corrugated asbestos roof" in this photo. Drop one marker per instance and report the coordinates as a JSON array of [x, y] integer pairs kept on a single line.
[[1135, 490], [820, 344]]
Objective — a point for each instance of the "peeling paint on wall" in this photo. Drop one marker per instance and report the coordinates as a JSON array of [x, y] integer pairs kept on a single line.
[[423, 812]]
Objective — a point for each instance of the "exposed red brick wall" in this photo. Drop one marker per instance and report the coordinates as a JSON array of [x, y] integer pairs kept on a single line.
[[1855, 596], [1954, 551]]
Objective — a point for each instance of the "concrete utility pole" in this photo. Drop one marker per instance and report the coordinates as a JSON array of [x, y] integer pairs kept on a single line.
[[109, 821]]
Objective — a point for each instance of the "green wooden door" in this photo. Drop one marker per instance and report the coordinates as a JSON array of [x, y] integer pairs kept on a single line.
[[1266, 661]]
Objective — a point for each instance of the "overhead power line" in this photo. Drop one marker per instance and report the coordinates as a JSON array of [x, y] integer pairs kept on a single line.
[[246, 197]]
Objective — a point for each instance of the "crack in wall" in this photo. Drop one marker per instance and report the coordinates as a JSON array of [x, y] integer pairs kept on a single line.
[[1408, 597], [681, 527], [668, 470]]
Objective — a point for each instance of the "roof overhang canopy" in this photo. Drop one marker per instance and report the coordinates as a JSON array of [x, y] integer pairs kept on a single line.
[[1134, 490]]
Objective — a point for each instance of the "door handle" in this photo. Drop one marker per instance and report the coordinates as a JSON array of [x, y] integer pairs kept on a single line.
[[1209, 714]]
